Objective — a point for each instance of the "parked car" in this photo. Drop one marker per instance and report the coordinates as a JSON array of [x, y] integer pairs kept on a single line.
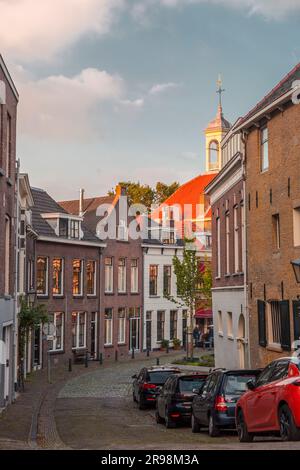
[[148, 382], [214, 406], [272, 404], [174, 402]]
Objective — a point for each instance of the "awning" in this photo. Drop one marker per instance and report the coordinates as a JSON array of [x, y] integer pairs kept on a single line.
[[204, 313]]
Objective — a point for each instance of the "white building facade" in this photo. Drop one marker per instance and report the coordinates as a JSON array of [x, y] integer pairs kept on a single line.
[[163, 319]]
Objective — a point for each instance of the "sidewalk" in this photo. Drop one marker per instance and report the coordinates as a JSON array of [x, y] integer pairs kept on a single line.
[[29, 423]]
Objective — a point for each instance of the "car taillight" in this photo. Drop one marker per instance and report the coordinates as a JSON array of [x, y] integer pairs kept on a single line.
[[220, 404], [148, 386]]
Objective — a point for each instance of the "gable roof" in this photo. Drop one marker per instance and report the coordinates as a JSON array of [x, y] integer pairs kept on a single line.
[[45, 204], [89, 204], [277, 92]]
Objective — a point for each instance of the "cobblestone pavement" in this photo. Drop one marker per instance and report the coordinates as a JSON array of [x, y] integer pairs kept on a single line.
[[96, 411]]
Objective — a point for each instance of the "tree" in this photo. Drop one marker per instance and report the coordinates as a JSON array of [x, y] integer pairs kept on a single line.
[[193, 284], [30, 318], [143, 194]]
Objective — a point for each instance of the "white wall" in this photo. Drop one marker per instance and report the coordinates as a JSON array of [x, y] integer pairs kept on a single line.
[[228, 349], [155, 257]]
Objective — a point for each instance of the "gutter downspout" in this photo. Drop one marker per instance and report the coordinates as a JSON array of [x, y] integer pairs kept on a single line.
[[245, 251], [16, 276]]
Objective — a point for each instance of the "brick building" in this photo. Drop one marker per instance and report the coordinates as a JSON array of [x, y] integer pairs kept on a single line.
[[272, 131], [67, 281], [121, 271], [8, 115], [229, 293]]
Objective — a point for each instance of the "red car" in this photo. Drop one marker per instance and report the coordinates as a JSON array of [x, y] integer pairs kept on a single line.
[[272, 404]]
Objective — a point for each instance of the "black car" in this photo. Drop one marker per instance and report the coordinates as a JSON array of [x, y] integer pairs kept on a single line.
[[174, 402], [214, 406], [148, 383]]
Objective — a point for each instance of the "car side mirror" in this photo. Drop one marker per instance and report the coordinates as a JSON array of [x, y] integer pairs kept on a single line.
[[251, 385], [134, 376]]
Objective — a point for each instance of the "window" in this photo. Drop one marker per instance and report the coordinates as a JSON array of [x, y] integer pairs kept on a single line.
[[108, 327], [63, 228], [57, 319], [109, 273], [122, 231], [8, 158], [77, 277], [173, 324], [243, 236], [229, 325], [153, 271], [220, 323], [167, 280], [7, 255], [214, 154], [74, 232], [274, 323], [236, 240], [30, 275], [42, 276], [276, 231], [160, 325], [91, 277], [296, 226], [218, 229], [122, 275], [227, 227], [122, 325], [264, 149], [134, 276], [78, 330], [57, 276]]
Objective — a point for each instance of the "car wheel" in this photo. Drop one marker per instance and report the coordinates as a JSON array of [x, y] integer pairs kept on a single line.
[[213, 431], [158, 418], [242, 430], [288, 429], [169, 422], [195, 425]]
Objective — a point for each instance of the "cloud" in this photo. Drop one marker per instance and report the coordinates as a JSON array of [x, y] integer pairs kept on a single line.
[[162, 87], [66, 107], [270, 9], [138, 103], [40, 29]]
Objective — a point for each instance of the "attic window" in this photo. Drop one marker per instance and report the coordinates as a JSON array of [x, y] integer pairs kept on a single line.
[[63, 228], [74, 229]]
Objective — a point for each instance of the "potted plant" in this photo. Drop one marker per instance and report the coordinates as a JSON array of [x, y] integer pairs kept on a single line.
[[164, 345], [176, 343]]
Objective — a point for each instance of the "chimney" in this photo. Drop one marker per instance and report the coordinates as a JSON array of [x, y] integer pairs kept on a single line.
[[81, 202]]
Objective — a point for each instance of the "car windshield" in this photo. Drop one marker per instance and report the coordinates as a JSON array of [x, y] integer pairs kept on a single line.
[[160, 377], [188, 384], [236, 385]]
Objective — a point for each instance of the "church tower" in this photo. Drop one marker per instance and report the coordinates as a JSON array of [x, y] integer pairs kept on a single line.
[[214, 133]]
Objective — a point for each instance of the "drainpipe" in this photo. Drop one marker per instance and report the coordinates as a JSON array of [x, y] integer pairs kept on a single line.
[[16, 276], [245, 253]]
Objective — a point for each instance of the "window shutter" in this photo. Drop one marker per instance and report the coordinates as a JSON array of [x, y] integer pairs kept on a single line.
[[296, 310], [285, 325], [262, 334]]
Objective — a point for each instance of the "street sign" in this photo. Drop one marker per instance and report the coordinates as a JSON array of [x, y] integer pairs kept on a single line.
[[49, 329]]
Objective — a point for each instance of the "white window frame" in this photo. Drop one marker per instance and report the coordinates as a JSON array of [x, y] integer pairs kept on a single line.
[[236, 239], [218, 228], [108, 276], [80, 294], [54, 342], [108, 327], [264, 148], [220, 323], [94, 293], [122, 276], [62, 277], [7, 263], [47, 276], [227, 228], [122, 326], [134, 273], [77, 330]]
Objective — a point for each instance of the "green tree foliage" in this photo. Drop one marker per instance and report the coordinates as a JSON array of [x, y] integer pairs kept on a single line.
[[30, 318], [143, 194]]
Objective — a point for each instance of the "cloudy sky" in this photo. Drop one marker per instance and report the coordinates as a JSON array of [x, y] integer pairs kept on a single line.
[[122, 89]]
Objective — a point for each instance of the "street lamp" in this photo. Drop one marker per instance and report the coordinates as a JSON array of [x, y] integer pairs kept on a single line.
[[31, 296], [296, 267]]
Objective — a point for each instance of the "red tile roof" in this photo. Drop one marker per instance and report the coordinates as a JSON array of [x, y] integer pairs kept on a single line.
[[89, 205]]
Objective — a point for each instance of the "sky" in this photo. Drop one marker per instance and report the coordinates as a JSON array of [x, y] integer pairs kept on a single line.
[[117, 90]]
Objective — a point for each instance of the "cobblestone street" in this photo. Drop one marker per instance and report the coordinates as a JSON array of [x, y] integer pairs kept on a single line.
[[93, 409]]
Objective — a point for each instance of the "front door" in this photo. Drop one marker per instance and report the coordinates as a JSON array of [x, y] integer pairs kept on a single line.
[[134, 334], [148, 335], [7, 358], [37, 347]]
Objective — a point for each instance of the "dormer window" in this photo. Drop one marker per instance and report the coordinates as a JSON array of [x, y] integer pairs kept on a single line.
[[64, 228], [74, 232]]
